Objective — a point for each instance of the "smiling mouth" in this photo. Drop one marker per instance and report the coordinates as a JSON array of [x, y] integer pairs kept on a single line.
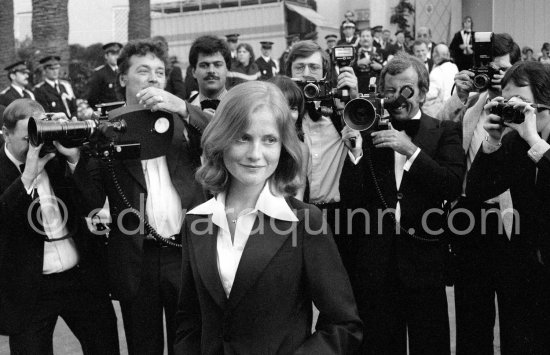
[[252, 166]]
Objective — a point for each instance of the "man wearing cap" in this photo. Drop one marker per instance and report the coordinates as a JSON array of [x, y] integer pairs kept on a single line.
[[53, 94], [331, 43], [349, 35], [232, 42], [268, 67], [19, 78], [102, 86]]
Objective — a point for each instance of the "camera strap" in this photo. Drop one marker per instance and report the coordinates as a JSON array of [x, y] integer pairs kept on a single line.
[[149, 228], [368, 158]]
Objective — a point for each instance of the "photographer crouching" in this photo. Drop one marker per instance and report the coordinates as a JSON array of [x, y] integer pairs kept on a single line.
[[520, 161], [328, 139], [407, 171]]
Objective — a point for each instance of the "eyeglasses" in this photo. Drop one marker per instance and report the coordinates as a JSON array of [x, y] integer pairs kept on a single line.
[[313, 68]]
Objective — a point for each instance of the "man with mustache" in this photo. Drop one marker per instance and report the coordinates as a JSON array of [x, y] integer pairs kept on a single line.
[[405, 175], [144, 272], [210, 60]]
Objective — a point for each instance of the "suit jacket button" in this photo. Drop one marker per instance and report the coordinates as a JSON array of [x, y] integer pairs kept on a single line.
[[399, 196]]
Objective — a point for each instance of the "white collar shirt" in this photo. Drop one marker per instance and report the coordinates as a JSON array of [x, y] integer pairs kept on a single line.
[[60, 255], [229, 252]]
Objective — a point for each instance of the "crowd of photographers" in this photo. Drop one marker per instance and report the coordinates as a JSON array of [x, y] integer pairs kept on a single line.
[[416, 198]]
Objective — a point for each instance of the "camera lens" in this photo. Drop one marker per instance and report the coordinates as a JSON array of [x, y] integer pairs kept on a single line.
[[481, 81], [511, 115], [311, 91]]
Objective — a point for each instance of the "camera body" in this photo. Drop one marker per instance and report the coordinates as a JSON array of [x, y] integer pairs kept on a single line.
[[483, 56], [315, 90], [343, 56], [507, 113], [365, 112]]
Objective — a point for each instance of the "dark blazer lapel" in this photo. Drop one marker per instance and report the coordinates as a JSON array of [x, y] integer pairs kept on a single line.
[[426, 139], [134, 168], [205, 250], [258, 253], [173, 155]]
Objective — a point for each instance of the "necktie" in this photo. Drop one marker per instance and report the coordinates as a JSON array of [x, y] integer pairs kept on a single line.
[[213, 104], [26, 94], [409, 126], [57, 87]]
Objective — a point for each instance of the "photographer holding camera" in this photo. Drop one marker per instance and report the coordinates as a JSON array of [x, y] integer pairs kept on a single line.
[[520, 161], [144, 272], [328, 139], [49, 263], [402, 181], [478, 274]]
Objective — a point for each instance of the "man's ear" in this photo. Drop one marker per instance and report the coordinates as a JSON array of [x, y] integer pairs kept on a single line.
[[193, 72], [122, 79], [5, 133]]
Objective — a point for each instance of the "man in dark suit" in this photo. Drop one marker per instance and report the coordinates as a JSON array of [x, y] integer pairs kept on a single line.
[[144, 271], [267, 66], [18, 73], [519, 161], [48, 260], [401, 183], [461, 45], [53, 94], [349, 38], [102, 85], [232, 43], [420, 50]]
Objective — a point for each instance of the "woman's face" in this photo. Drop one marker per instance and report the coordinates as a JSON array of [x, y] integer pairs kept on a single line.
[[253, 157], [243, 56]]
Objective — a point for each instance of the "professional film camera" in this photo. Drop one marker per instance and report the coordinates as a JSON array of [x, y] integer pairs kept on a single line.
[[320, 90], [483, 56], [129, 132], [365, 112]]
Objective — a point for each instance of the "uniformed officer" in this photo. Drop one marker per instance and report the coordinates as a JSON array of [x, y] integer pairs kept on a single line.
[[290, 40], [232, 43], [53, 94], [268, 67], [102, 88], [18, 73]]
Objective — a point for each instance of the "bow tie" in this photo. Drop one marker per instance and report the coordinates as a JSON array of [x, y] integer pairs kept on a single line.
[[213, 104], [409, 126], [466, 32]]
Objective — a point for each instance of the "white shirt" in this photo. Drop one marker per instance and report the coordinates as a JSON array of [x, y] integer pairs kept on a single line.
[[60, 255], [441, 85], [163, 205], [230, 253], [402, 164]]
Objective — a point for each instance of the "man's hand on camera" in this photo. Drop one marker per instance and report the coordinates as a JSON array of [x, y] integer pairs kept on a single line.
[[353, 141], [72, 154], [399, 141], [492, 125], [464, 84], [348, 79], [34, 164], [157, 99], [528, 129]]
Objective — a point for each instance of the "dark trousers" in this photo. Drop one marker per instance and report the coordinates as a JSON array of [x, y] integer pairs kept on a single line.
[[490, 264], [158, 292], [393, 311], [90, 317]]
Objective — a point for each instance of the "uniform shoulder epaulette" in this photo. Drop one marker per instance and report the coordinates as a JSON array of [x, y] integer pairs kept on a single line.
[[100, 67], [5, 90], [40, 84]]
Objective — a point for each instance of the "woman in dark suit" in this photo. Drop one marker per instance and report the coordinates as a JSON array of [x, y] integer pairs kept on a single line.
[[254, 259]]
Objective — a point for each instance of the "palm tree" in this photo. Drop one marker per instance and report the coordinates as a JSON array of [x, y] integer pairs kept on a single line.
[[7, 54], [50, 30], [139, 19]]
